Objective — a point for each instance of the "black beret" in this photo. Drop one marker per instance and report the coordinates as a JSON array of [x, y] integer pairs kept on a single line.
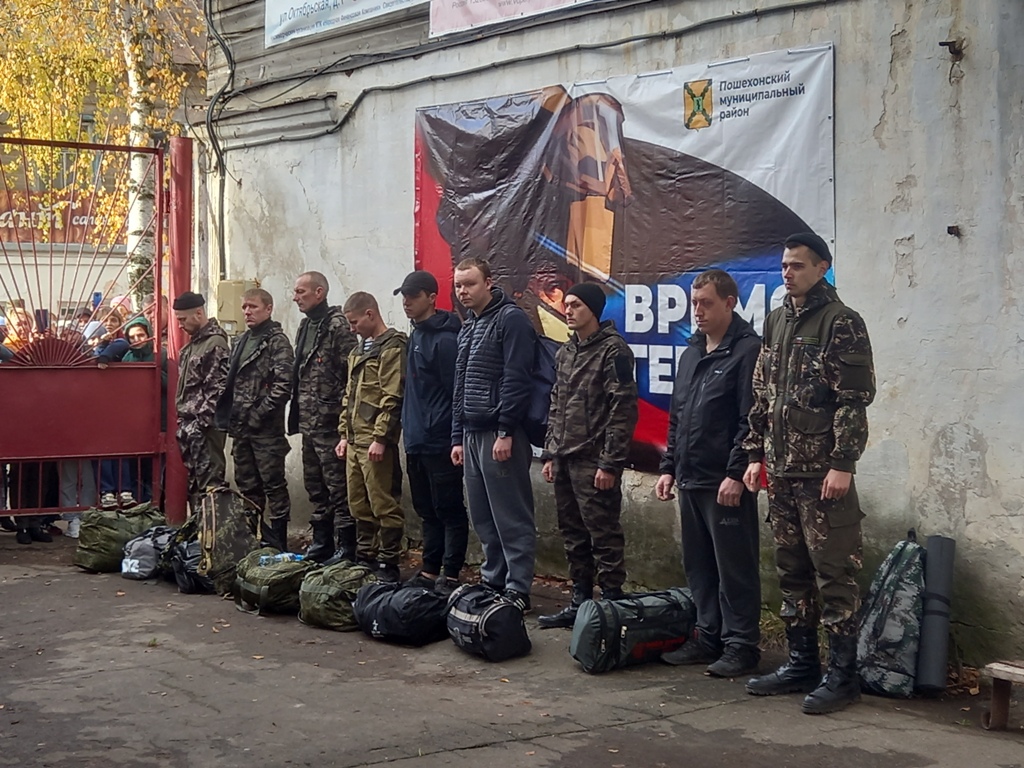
[[812, 241], [591, 295], [189, 300]]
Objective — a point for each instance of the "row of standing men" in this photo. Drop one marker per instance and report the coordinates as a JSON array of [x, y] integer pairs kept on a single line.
[[791, 404]]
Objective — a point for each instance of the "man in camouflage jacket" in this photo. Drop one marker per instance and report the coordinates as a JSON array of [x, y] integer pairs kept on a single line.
[[251, 410], [369, 432], [318, 385], [202, 374], [813, 381], [590, 425]]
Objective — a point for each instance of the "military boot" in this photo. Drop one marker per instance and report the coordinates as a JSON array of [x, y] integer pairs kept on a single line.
[[275, 533], [390, 551], [322, 546], [346, 545], [841, 685], [801, 674], [566, 617]]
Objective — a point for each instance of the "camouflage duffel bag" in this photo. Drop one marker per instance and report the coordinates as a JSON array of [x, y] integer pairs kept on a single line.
[[269, 587], [104, 533], [227, 533], [890, 622], [326, 595]]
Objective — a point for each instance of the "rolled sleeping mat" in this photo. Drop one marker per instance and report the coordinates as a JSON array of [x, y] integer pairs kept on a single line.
[[933, 656]]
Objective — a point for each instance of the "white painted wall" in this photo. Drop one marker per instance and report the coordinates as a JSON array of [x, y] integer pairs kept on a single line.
[[922, 144]]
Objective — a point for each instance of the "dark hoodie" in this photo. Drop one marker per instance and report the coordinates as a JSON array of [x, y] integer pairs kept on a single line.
[[430, 384], [494, 369], [710, 402]]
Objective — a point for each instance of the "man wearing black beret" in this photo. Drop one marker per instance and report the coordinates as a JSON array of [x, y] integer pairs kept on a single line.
[[813, 381], [590, 425], [202, 374]]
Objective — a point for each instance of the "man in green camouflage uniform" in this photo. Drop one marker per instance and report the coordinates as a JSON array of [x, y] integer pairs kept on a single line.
[[251, 410], [813, 381], [318, 384], [370, 428], [202, 374], [590, 424]]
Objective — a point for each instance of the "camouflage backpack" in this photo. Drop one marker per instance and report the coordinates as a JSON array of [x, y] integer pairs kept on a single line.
[[890, 622], [227, 533], [325, 597]]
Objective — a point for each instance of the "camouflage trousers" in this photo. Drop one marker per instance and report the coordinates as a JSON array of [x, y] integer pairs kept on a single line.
[[374, 496], [589, 522], [323, 475], [202, 452], [259, 473], [818, 553]]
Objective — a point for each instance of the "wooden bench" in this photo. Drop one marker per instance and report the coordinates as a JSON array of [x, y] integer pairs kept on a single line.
[[1004, 674]]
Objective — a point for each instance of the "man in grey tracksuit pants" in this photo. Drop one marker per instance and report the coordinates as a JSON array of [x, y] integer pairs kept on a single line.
[[492, 390]]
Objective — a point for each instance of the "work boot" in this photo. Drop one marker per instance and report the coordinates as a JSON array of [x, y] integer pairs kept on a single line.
[[735, 661], [390, 550], [693, 651], [275, 533], [23, 536], [38, 534], [322, 546], [388, 573], [612, 593], [801, 674], [841, 685], [346, 543], [566, 618]]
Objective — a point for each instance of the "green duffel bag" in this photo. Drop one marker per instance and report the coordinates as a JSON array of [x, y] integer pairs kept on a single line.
[[326, 595], [270, 588], [104, 533]]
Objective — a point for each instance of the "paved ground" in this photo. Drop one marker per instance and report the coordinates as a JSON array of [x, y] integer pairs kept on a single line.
[[99, 671]]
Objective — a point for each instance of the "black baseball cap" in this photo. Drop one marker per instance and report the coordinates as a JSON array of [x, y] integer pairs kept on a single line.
[[812, 241], [417, 281]]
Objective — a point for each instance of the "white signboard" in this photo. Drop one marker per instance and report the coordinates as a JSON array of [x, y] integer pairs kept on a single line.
[[448, 16], [288, 20]]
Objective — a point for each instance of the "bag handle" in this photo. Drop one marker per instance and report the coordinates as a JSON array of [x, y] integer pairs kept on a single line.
[[243, 587]]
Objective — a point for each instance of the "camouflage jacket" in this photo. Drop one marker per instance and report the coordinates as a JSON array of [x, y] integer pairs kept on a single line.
[[594, 401], [202, 374], [372, 409], [813, 381], [259, 383], [318, 380]]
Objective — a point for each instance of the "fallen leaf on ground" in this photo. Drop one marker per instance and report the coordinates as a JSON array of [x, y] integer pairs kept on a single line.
[[120, 593], [504, 679], [215, 629], [258, 657], [531, 752], [613, 751]]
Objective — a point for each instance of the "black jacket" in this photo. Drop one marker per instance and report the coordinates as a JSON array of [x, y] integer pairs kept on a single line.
[[494, 369], [430, 384], [710, 402]]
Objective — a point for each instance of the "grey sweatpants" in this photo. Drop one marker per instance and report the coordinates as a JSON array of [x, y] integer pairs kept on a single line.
[[501, 509]]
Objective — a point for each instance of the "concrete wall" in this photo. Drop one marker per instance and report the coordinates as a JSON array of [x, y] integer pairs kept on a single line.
[[923, 144]]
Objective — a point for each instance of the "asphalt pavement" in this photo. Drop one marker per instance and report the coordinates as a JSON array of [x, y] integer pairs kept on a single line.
[[96, 670]]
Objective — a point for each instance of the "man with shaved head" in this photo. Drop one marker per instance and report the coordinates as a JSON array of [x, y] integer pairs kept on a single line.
[[318, 384]]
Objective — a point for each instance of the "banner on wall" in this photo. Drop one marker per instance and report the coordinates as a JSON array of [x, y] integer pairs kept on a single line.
[[448, 16], [638, 183], [287, 19]]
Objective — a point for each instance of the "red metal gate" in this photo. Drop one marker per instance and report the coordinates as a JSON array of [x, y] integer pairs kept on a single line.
[[71, 424]]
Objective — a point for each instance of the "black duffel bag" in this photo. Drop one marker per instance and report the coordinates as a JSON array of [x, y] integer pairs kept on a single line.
[[398, 614], [185, 559], [610, 634], [485, 624]]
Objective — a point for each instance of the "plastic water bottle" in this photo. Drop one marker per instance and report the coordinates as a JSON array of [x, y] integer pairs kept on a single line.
[[283, 557]]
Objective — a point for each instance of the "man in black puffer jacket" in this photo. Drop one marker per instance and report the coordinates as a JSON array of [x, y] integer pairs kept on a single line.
[[493, 375]]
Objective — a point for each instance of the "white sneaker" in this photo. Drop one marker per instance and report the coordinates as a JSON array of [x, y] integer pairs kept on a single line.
[[108, 501], [74, 526], [126, 499]]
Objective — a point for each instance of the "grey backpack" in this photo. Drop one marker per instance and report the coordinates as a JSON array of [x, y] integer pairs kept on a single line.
[[142, 554], [890, 622]]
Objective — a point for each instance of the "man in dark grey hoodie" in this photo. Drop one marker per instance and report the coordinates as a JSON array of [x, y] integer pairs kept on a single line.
[[435, 483]]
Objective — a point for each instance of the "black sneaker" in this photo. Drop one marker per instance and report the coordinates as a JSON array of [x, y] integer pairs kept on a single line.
[[520, 599], [445, 585], [23, 537], [736, 661], [38, 534], [691, 652], [419, 580]]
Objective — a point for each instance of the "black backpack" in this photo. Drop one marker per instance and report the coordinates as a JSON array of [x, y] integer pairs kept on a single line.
[[483, 623], [406, 615], [609, 634]]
